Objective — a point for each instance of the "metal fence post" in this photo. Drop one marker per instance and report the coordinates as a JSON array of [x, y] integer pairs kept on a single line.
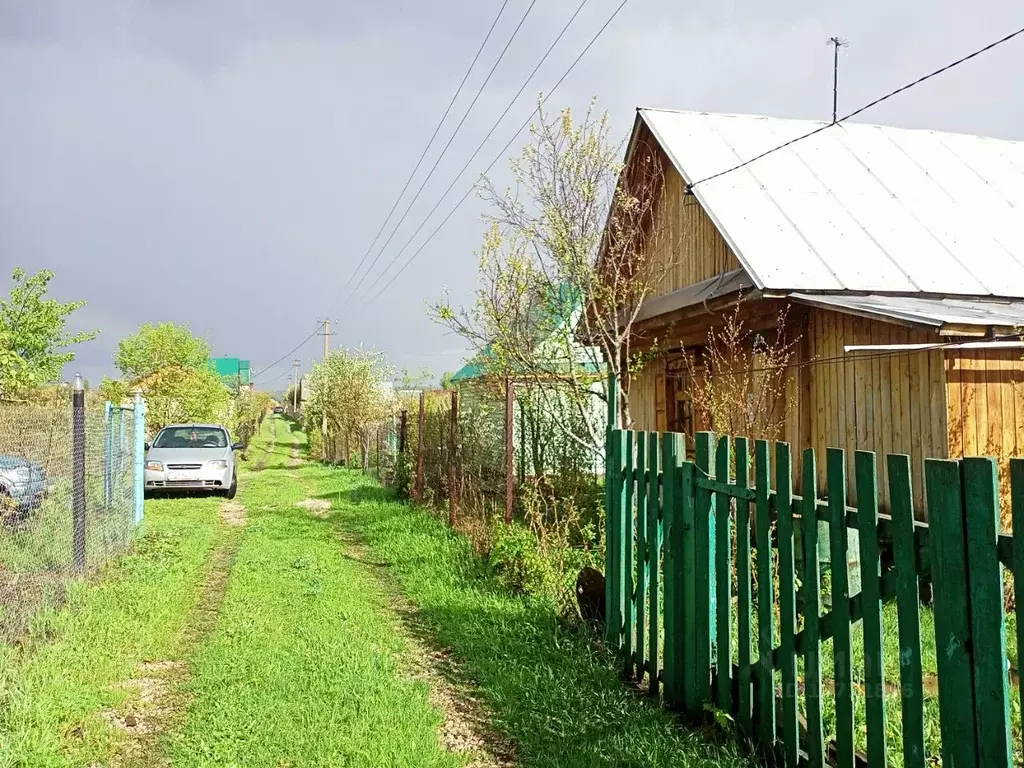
[[78, 473], [509, 451], [403, 433], [453, 472], [108, 454], [419, 446], [140, 457]]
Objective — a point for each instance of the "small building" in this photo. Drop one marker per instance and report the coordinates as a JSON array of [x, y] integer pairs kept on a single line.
[[896, 257], [235, 371]]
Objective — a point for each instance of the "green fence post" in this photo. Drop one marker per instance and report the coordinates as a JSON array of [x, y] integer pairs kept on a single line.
[[871, 604], [952, 612], [723, 578], [842, 640], [1017, 495], [901, 503], [787, 601], [812, 612], [609, 528], [671, 534], [765, 706], [626, 547], [688, 547], [616, 533], [654, 561], [641, 553], [704, 562], [988, 622], [743, 596]]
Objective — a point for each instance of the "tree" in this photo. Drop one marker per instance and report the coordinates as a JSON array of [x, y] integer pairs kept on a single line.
[[158, 346], [170, 365], [175, 395], [351, 387], [742, 380], [565, 267], [33, 335]]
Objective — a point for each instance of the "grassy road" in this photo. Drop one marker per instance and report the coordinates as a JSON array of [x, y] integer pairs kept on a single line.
[[315, 622]]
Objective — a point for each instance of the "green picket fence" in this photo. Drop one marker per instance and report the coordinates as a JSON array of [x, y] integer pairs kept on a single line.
[[781, 644]]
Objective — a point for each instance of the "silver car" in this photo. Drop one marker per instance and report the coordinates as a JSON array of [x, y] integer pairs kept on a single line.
[[192, 457]]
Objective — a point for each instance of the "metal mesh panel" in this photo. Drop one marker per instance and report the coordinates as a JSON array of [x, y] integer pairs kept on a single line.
[[52, 528]]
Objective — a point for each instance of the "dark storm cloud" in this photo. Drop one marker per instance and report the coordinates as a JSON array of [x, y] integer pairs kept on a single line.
[[228, 163]]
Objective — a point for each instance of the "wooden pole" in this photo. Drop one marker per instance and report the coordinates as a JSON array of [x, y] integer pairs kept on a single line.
[[403, 434], [509, 451], [453, 487], [419, 446]]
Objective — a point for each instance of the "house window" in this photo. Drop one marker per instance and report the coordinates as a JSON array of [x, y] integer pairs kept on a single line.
[[679, 383]]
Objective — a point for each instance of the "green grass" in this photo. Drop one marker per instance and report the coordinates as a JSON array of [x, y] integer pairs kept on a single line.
[[53, 687], [558, 698], [303, 668]]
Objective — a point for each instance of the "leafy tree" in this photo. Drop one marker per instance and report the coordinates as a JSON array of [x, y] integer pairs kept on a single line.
[[157, 346], [565, 270], [170, 365], [175, 394], [33, 335], [351, 387]]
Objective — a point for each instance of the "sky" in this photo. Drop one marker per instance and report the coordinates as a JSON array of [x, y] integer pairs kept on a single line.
[[227, 163]]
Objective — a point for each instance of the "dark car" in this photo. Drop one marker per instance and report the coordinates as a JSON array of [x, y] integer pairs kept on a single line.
[[22, 486], [278, 409]]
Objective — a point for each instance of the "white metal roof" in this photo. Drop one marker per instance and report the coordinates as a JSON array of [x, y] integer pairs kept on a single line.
[[922, 311], [857, 207]]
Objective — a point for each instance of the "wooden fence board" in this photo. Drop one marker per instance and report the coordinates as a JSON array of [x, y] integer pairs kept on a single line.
[[871, 605], [670, 532], [743, 602], [628, 552], [841, 639], [640, 656], [787, 601], [654, 563], [765, 708], [952, 612], [723, 575], [988, 623], [1017, 496], [702, 528], [909, 614], [812, 612]]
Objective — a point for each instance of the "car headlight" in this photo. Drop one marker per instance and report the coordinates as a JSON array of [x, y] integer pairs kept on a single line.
[[219, 464], [154, 466]]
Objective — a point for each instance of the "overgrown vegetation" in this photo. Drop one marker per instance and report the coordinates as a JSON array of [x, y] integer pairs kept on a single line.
[[349, 390]]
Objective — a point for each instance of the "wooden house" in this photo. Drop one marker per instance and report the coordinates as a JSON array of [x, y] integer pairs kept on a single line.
[[897, 254]]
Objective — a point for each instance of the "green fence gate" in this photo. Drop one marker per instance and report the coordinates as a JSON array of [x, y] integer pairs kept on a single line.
[[809, 673]]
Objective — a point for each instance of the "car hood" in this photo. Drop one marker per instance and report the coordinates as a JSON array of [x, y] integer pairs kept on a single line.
[[187, 455]]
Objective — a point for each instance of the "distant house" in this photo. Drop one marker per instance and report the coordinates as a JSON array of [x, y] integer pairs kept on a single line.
[[558, 351], [235, 371], [898, 253]]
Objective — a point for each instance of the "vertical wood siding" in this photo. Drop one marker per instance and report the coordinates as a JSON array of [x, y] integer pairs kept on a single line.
[[688, 248]]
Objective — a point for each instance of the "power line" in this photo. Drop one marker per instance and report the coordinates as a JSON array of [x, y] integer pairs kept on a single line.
[[444, 151], [289, 352], [864, 108], [433, 136], [495, 160], [480, 146]]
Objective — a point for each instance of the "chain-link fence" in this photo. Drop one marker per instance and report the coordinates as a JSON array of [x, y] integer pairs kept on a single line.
[[69, 498]]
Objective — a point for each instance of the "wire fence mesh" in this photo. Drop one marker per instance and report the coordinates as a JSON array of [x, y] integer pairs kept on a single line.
[[67, 503]]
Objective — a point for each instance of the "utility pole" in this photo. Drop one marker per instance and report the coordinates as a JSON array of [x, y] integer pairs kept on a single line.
[[327, 349], [295, 386], [836, 43]]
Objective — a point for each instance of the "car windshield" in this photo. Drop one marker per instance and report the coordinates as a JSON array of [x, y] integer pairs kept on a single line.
[[191, 437]]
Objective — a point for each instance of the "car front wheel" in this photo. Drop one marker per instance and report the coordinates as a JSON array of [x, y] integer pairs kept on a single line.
[[232, 489]]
